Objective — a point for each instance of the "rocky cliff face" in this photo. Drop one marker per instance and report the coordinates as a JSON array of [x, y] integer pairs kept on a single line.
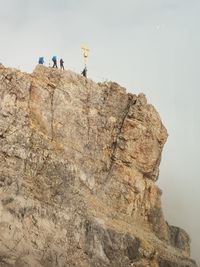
[[78, 165]]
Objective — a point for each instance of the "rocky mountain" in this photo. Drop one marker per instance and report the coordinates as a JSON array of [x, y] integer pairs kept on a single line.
[[78, 168]]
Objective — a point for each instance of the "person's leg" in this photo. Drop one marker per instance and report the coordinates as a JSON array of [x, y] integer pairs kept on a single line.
[[55, 64]]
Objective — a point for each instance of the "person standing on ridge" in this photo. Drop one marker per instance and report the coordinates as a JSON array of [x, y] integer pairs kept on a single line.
[[54, 59], [62, 64], [41, 60], [84, 72]]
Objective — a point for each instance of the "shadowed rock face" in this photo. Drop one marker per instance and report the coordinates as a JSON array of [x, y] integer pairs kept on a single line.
[[78, 165], [179, 238]]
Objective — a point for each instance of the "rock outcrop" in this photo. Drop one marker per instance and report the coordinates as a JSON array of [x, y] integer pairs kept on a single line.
[[78, 166]]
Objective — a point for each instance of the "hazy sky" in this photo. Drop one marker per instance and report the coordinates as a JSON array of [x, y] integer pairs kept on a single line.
[[149, 46]]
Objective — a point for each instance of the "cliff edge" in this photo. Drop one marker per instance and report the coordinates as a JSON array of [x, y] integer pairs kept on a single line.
[[78, 166]]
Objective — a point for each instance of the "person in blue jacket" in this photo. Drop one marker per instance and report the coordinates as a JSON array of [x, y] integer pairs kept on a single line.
[[41, 60], [54, 59]]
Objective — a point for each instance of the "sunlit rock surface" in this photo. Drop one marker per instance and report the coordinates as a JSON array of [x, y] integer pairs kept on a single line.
[[78, 168]]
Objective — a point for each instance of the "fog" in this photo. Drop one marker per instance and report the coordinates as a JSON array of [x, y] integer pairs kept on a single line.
[[149, 46]]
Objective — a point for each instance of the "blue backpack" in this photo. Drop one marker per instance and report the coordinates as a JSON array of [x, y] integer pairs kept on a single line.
[[41, 60], [54, 58]]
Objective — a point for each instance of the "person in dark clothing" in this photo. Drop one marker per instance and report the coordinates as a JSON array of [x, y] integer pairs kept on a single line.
[[62, 64], [84, 72], [54, 59]]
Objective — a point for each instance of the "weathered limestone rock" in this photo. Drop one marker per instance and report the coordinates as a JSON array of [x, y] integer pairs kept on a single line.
[[78, 166], [180, 239]]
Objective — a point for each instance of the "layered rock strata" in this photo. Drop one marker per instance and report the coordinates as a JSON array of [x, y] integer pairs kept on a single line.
[[78, 168]]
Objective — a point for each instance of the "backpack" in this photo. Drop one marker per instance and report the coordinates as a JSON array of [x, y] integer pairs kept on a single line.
[[41, 60]]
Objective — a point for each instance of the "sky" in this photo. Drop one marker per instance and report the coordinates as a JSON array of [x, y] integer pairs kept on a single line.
[[149, 46]]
